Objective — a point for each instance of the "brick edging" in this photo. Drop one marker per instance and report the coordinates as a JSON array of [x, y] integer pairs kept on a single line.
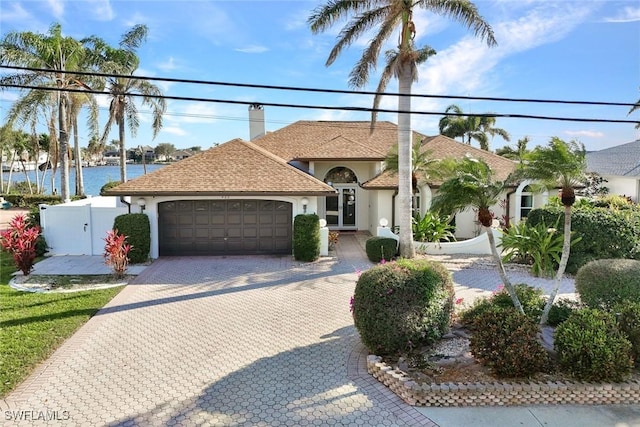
[[502, 393]]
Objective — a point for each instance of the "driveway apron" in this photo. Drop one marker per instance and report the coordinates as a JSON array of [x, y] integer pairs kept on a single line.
[[220, 341]]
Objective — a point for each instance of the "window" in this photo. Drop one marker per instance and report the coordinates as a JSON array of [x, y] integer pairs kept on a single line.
[[526, 202]]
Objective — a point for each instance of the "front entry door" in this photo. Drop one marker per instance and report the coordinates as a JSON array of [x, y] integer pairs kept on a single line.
[[341, 209]]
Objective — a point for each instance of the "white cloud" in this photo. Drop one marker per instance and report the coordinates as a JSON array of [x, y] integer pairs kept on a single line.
[[14, 12], [174, 130], [168, 65], [102, 9], [57, 8], [628, 14], [252, 49], [194, 112], [585, 133]]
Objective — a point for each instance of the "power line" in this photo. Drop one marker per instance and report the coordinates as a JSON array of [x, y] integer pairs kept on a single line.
[[326, 107], [341, 91]]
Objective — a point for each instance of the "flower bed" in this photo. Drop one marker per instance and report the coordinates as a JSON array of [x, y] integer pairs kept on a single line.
[[502, 393]]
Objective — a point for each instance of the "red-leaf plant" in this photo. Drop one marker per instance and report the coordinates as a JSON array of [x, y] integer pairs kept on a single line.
[[20, 241], [116, 252]]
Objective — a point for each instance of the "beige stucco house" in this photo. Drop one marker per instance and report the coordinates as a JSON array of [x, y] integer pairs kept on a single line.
[[241, 197]]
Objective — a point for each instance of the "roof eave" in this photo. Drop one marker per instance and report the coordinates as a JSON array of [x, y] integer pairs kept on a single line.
[[142, 193]]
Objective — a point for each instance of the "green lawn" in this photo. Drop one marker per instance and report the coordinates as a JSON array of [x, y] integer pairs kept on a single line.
[[33, 325]]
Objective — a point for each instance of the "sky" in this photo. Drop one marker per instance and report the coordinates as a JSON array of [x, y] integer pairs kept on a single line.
[[587, 50]]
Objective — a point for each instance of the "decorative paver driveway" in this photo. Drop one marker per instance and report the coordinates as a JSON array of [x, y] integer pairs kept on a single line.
[[260, 341]]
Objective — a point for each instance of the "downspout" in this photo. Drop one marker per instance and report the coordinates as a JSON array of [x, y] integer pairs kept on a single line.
[[393, 209], [126, 203]]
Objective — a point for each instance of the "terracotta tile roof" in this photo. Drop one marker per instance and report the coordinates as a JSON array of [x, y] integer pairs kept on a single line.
[[236, 167], [443, 147], [315, 140]]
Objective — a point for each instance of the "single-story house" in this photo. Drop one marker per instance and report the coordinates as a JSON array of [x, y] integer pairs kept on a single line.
[[241, 197], [620, 166]]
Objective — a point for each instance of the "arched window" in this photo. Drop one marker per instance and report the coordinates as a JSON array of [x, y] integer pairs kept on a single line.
[[340, 175]]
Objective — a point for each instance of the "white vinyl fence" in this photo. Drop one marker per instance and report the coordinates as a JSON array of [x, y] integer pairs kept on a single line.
[[78, 228]]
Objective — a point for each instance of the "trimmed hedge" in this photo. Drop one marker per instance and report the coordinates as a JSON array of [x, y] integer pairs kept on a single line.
[[507, 343], [605, 233], [379, 248], [591, 347], [606, 283], [138, 231], [31, 201], [628, 316], [306, 237], [400, 306]]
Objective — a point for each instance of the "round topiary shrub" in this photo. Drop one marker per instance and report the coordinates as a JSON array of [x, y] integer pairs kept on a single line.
[[404, 305], [590, 347], [306, 237], [379, 248], [507, 343], [606, 283], [628, 315]]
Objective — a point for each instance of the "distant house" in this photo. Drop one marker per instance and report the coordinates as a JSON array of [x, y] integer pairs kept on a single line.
[[241, 197], [181, 154], [620, 166]]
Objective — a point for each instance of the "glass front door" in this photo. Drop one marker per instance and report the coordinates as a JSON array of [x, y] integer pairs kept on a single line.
[[340, 210]]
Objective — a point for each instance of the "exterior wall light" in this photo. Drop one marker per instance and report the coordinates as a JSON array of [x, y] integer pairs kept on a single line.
[[383, 222], [304, 201], [142, 203]]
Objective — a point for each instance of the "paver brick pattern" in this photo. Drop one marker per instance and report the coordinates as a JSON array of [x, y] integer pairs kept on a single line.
[[219, 341]]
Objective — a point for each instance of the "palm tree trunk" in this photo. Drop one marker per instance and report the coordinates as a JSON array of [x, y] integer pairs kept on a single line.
[[566, 250], [501, 271], [123, 152], [405, 192], [77, 159], [63, 154]]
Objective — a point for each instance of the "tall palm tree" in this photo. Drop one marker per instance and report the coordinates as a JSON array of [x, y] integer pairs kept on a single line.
[[389, 17], [473, 184], [634, 108], [55, 55], [77, 102], [455, 124], [558, 165], [124, 88]]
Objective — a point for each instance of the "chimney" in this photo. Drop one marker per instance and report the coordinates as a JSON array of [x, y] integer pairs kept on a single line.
[[256, 121]]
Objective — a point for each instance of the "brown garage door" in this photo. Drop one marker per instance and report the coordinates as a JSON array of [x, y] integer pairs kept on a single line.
[[224, 227]]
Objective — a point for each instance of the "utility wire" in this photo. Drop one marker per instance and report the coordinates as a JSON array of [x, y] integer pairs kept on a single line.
[[326, 107], [307, 89]]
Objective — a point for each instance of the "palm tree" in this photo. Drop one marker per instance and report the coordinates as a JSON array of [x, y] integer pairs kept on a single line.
[[124, 88], [77, 101], [634, 108], [455, 124], [520, 153], [559, 164], [473, 184], [389, 17], [422, 163], [54, 55]]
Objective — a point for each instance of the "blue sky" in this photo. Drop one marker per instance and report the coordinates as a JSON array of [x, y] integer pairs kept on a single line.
[[586, 50]]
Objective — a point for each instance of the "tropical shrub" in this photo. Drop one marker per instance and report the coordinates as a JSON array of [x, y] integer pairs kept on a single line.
[[381, 248], [108, 186], [306, 237], [33, 220], [604, 233], [508, 344], [432, 228], [628, 316], [605, 283], [404, 305], [537, 245], [137, 228], [561, 310], [116, 251], [19, 240], [531, 299], [590, 347], [31, 201]]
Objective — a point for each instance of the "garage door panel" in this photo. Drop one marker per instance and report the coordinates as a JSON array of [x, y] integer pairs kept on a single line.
[[223, 227]]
